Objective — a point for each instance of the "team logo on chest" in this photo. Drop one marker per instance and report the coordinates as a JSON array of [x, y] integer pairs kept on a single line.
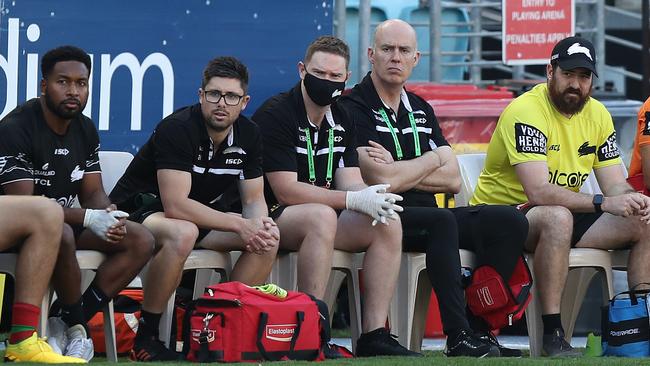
[[77, 174], [585, 149], [234, 150], [63, 152]]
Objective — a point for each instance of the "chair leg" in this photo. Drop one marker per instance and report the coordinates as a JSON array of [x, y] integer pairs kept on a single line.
[[421, 306], [534, 325], [201, 281], [333, 285], [406, 294], [165, 327], [45, 310], [534, 316], [575, 289], [109, 332], [354, 300]]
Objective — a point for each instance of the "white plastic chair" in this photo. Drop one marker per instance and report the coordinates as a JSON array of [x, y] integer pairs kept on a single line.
[[204, 261], [345, 265], [584, 263], [8, 266], [580, 278], [90, 260], [113, 164], [408, 309], [410, 303], [470, 166]]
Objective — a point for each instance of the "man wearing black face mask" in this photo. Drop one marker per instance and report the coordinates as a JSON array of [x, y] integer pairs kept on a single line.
[[316, 194]]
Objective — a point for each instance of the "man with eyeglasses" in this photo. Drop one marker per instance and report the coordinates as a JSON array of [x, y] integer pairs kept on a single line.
[[177, 187]]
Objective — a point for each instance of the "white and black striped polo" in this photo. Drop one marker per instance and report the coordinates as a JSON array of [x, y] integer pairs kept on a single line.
[[181, 142]]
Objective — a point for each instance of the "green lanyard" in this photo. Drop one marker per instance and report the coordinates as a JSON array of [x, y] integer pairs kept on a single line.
[[330, 158], [398, 147]]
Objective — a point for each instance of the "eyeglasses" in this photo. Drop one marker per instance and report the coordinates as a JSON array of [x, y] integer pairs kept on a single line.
[[214, 96]]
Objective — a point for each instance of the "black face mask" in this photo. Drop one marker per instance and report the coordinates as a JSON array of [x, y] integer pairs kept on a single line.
[[323, 92]]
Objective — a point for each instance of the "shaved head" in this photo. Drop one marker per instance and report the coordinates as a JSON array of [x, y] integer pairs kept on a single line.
[[397, 27], [394, 53]]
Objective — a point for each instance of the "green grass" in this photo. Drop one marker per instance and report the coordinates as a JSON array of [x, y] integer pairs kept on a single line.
[[431, 358], [437, 358]]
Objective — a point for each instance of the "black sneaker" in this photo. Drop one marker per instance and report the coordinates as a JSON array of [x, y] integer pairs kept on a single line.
[[468, 345], [380, 342], [554, 345], [147, 349], [503, 351]]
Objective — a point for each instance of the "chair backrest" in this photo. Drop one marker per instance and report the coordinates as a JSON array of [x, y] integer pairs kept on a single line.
[[470, 166], [114, 164]]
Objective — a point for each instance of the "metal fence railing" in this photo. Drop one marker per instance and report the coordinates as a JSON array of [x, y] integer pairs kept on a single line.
[[482, 19]]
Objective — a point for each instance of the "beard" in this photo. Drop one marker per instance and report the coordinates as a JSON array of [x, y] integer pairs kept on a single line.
[[61, 110], [217, 126], [570, 101]]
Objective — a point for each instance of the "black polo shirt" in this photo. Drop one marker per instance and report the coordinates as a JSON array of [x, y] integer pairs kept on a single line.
[[283, 121], [181, 142], [30, 150], [364, 105]]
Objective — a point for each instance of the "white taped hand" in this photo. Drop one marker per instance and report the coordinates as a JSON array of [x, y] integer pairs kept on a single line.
[[99, 221], [375, 202]]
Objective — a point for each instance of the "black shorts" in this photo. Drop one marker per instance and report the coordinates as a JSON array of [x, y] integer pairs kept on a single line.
[[276, 210], [144, 205], [581, 222]]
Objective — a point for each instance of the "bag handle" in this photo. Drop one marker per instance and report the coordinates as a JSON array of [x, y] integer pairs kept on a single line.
[[186, 330], [633, 292], [204, 354], [264, 318]]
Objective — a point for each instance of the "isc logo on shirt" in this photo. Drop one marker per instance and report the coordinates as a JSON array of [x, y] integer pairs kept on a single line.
[[63, 152], [233, 161]]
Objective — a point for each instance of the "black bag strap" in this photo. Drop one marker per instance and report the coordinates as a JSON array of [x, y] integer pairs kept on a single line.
[[633, 292], [126, 304], [186, 336], [324, 321], [525, 290], [205, 355], [264, 318]]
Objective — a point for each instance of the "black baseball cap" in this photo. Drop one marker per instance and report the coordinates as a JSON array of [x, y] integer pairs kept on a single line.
[[574, 52]]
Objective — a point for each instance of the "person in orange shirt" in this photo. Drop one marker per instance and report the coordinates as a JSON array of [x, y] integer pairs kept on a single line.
[[641, 153]]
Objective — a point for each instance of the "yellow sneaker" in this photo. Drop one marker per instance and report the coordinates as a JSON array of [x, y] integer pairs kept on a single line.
[[272, 289], [34, 349]]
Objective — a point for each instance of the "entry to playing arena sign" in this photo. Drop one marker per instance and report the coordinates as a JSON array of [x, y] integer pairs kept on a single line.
[[532, 27]]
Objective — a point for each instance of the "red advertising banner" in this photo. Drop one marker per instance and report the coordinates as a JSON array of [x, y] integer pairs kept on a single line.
[[532, 27]]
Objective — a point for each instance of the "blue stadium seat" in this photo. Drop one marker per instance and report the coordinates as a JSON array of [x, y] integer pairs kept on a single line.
[[414, 14], [377, 16], [409, 11]]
